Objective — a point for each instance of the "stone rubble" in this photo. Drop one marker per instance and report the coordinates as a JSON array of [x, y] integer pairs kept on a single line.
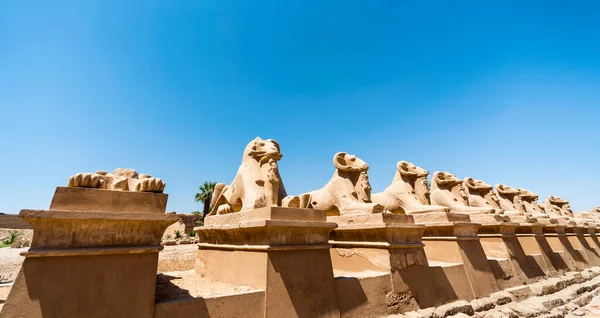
[[557, 297]]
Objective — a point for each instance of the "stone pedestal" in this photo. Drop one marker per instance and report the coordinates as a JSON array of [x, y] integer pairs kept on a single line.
[[88, 263], [516, 259], [574, 245], [450, 240], [534, 244], [283, 251], [558, 242], [380, 265], [587, 238]]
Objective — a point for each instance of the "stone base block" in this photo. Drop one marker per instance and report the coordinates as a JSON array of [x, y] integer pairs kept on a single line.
[[440, 218], [283, 251], [296, 282], [467, 251], [542, 256], [98, 200], [115, 285], [524, 267], [556, 244]]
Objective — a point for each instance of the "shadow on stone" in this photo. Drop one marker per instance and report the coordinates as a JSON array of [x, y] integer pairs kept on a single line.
[[166, 290], [555, 258]]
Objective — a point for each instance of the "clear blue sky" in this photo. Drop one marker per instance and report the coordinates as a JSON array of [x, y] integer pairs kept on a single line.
[[503, 91]]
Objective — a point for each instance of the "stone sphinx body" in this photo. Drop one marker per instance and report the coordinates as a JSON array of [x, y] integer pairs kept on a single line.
[[530, 203], [257, 183], [557, 207], [121, 180], [447, 190], [510, 200], [347, 192], [481, 194], [406, 192], [593, 214]]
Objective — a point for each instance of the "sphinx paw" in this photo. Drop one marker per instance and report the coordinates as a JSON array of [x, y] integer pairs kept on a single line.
[[85, 180], [224, 209], [150, 184]]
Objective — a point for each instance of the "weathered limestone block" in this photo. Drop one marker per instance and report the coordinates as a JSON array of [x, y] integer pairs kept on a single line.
[[348, 191], [408, 193], [85, 262], [257, 183]]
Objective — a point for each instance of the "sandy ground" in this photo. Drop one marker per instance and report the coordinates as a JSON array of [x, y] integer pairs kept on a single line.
[[177, 258], [188, 284], [10, 263]]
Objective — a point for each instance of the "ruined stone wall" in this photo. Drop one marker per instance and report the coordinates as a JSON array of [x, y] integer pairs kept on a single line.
[[11, 221]]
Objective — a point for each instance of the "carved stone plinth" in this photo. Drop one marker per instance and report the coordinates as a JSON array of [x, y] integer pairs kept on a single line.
[[515, 258], [90, 263], [283, 251], [564, 252], [518, 218], [536, 248], [584, 238], [451, 242], [97, 200], [381, 254]]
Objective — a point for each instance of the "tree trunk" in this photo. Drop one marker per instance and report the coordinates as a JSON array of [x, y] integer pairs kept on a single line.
[[206, 210]]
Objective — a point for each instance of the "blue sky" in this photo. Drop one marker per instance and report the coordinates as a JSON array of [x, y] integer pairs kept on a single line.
[[507, 92]]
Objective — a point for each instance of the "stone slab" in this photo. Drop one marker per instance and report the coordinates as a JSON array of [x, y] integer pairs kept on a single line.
[[98, 200], [76, 229], [440, 217], [266, 213]]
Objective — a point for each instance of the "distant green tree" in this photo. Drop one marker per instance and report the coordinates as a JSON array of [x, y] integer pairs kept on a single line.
[[205, 195], [196, 212]]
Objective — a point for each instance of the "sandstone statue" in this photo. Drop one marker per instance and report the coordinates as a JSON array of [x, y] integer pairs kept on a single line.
[[257, 183], [448, 190], [593, 214], [481, 194], [510, 200], [422, 190], [121, 179], [407, 191], [557, 207], [348, 191], [530, 203]]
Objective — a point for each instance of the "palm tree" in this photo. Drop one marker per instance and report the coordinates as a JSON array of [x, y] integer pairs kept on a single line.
[[205, 195]]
